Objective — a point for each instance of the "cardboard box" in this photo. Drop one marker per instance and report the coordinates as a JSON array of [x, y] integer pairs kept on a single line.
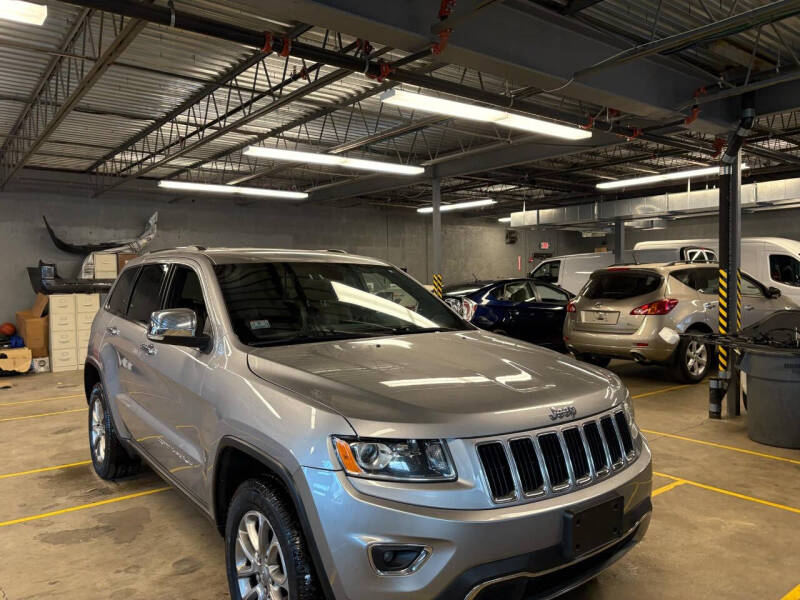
[[123, 258], [33, 327], [15, 360]]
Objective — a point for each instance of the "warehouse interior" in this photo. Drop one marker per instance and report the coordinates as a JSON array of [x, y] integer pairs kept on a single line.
[[467, 143]]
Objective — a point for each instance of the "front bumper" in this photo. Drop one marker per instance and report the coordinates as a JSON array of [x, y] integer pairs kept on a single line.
[[472, 550], [645, 343]]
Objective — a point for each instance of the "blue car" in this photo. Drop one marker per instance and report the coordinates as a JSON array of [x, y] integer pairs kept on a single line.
[[527, 309]]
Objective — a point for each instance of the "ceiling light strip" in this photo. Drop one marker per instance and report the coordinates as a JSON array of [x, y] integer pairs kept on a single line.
[[333, 160], [676, 175], [426, 210], [464, 110], [189, 186]]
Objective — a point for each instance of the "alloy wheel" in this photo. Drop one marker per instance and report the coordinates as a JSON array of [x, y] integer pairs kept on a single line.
[[98, 431], [260, 566], [696, 358]]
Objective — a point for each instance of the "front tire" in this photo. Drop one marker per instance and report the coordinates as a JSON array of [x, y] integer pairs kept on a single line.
[[266, 555], [109, 457], [693, 359]]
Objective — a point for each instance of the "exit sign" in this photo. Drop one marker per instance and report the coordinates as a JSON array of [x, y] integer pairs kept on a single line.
[[544, 245]]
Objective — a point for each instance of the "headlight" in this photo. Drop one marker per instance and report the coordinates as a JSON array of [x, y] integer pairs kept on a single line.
[[396, 460], [627, 405]]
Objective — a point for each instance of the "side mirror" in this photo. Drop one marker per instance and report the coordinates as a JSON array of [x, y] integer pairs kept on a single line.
[[176, 326], [773, 292]]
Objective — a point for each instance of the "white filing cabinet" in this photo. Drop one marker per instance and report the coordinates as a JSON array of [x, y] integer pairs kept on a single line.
[[105, 265], [71, 317]]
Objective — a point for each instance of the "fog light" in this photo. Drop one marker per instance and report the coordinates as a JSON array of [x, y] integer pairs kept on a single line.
[[393, 559]]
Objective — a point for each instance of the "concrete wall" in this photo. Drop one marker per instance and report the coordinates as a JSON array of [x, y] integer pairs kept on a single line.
[[471, 246]]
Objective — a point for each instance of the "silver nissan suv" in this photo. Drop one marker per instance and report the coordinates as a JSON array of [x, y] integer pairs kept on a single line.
[[354, 438]]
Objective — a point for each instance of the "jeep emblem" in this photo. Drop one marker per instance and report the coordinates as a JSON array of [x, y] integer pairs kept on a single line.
[[562, 413]]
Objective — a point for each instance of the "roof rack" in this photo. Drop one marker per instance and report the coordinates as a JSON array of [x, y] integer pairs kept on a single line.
[[337, 251], [196, 248]]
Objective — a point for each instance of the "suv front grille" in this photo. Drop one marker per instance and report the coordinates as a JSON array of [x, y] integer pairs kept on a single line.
[[544, 463]]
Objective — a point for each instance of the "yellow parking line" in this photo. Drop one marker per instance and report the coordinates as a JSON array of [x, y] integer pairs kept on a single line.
[[793, 595], [661, 391], [730, 493], [50, 414], [43, 469], [41, 400], [668, 487], [723, 446], [83, 506]]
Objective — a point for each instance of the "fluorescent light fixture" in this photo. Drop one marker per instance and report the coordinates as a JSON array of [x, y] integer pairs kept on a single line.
[[463, 110], [230, 189], [505, 219], [333, 160], [621, 183], [23, 12], [458, 206]]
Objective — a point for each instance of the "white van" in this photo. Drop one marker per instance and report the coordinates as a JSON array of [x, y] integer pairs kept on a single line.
[[775, 262], [572, 271]]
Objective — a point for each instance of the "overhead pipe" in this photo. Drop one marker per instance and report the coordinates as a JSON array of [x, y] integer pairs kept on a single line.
[[756, 17], [378, 70]]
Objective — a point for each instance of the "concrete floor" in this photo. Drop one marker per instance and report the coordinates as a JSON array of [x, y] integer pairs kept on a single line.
[[737, 537]]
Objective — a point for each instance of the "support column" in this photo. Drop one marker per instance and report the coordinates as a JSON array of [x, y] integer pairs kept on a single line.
[[730, 235], [437, 236], [619, 240]]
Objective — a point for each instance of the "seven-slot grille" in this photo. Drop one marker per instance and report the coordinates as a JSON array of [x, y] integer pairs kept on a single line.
[[555, 460]]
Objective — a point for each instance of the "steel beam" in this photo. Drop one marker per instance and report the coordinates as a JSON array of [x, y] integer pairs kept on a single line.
[[65, 83]]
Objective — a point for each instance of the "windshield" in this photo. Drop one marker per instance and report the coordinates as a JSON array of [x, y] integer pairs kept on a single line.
[[273, 303]]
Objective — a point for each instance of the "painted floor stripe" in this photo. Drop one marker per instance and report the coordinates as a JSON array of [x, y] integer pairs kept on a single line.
[[661, 391], [723, 446], [793, 595], [730, 493], [2, 404], [83, 506], [44, 469], [50, 414], [668, 487]]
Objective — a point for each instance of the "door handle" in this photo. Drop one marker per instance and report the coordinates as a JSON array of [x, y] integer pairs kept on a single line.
[[747, 307], [708, 305], [148, 349], [112, 330]]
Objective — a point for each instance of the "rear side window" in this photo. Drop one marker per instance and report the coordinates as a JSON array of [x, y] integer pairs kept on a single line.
[[146, 297], [784, 269], [705, 281], [550, 294], [118, 301], [547, 271], [515, 291], [619, 285]]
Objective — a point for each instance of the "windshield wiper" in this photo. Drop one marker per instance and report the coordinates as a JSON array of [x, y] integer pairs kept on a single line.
[[304, 338], [415, 329]]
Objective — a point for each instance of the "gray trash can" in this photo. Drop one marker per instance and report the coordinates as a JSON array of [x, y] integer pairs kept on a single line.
[[773, 397]]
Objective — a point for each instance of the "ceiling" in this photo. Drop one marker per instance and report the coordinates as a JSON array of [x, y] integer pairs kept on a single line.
[[127, 100]]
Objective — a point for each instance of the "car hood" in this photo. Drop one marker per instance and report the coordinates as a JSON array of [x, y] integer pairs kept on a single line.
[[446, 384]]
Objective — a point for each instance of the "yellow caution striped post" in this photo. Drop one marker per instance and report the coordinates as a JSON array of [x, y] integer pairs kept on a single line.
[[437, 284], [723, 318]]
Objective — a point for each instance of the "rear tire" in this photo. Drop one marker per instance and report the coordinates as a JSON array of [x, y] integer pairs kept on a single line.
[[109, 457], [693, 360], [265, 553], [593, 359]]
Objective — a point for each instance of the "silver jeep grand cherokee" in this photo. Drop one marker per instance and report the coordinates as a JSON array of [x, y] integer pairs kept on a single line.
[[352, 437]]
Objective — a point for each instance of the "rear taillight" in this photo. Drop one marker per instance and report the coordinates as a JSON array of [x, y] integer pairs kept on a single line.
[[468, 308], [571, 306], [659, 307]]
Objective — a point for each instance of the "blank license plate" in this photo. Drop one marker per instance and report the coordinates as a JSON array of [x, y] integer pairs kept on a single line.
[[604, 317], [591, 528]]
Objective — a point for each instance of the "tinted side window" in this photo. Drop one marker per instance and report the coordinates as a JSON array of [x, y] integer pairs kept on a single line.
[[549, 294], [784, 269], [750, 287], [186, 292], [146, 295], [516, 291], [705, 281], [118, 301]]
